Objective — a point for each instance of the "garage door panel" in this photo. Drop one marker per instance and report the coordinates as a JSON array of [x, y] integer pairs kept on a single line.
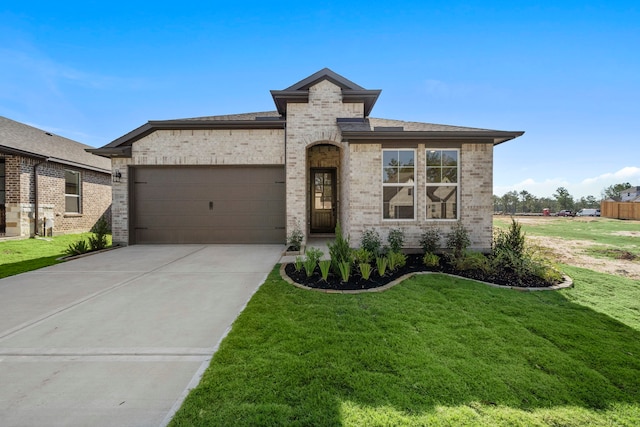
[[209, 205]]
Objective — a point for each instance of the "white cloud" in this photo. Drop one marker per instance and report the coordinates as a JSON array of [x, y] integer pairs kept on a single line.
[[587, 187]]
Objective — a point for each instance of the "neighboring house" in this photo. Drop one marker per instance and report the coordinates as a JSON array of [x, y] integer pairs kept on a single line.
[[319, 159], [69, 188], [631, 194]]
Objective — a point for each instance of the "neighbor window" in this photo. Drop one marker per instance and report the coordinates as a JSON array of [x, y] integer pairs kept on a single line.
[[398, 184], [71, 191], [442, 186]]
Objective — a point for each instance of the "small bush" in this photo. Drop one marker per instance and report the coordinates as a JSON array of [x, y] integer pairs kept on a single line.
[[457, 240], [339, 250], [313, 256], [431, 260], [365, 270], [78, 248], [294, 240], [474, 261], [298, 264], [345, 270], [396, 260], [325, 264], [513, 239], [371, 241], [381, 264], [395, 239], [99, 240], [430, 240], [361, 256]]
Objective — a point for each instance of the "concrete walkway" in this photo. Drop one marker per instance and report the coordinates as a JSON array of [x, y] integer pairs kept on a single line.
[[118, 338]]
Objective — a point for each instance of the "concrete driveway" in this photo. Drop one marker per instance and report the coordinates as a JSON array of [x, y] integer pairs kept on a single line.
[[118, 338]]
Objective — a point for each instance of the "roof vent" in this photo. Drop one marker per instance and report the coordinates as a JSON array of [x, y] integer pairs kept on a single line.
[[388, 129]]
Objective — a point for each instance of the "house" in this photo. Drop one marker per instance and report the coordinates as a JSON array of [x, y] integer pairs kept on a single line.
[[631, 194], [69, 188], [317, 160]]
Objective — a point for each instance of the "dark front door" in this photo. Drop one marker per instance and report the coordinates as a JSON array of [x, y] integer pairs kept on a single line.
[[323, 200]]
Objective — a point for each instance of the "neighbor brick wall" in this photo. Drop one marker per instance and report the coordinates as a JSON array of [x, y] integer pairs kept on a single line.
[[192, 147], [95, 188]]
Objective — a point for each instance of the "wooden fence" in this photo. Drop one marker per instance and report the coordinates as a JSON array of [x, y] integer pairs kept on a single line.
[[620, 210]]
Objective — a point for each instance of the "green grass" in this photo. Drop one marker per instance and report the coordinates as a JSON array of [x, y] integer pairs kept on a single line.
[[20, 256], [434, 350], [599, 230]]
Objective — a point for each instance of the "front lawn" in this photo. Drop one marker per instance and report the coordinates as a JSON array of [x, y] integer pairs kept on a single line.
[[20, 256], [434, 350]]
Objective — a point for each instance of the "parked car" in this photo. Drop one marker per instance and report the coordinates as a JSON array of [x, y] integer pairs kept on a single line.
[[588, 212], [565, 212]]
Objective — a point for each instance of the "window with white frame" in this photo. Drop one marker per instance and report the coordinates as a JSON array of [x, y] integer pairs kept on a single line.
[[72, 191], [442, 186], [398, 184]]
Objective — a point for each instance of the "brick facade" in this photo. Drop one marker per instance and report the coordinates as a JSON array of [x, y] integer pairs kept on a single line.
[[192, 147], [325, 124], [20, 198]]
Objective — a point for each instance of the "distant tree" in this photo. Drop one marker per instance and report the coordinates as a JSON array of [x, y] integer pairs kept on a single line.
[[497, 203], [613, 191], [565, 200], [527, 199]]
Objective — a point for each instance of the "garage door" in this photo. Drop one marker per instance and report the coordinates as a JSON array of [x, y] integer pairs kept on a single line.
[[208, 205]]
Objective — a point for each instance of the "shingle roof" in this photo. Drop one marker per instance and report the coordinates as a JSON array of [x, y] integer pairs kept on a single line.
[[18, 138]]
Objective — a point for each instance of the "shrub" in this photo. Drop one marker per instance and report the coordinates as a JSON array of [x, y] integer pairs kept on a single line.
[[513, 239], [324, 268], [381, 264], [294, 240], [457, 240], [362, 256], [313, 256], [395, 239], [365, 270], [396, 260], [474, 261], [99, 240], [431, 260], [430, 240], [298, 263], [78, 248], [345, 270], [370, 241], [339, 250]]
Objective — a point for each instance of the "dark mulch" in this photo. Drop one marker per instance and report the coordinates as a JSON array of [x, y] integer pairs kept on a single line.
[[414, 264]]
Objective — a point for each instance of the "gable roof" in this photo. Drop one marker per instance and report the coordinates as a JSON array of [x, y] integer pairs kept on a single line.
[[299, 92], [19, 139]]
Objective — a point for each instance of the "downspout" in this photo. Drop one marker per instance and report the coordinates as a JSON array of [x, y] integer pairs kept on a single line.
[[36, 229]]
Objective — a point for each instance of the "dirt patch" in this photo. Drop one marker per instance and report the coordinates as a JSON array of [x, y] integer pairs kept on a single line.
[[573, 252]]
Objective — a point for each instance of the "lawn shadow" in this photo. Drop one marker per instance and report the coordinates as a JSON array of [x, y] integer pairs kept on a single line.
[[433, 342], [19, 267]]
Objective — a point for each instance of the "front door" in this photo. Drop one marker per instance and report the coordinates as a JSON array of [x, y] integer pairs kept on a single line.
[[323, 200]]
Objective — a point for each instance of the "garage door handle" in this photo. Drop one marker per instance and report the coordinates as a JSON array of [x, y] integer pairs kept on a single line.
[[210, 206]]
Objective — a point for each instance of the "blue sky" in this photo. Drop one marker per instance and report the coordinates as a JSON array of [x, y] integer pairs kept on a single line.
[[567, 73]]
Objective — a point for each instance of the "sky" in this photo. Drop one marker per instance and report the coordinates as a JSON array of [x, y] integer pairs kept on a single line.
[[567, 73]]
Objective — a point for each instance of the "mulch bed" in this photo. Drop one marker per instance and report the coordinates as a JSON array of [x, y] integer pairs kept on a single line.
[[414, 264]]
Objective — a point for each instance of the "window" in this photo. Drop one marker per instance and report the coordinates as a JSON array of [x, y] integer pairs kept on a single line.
[[71, 191], [442, 184], [398, 184]]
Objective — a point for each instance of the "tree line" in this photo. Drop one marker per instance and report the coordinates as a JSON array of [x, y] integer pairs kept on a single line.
[[514, 202]]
